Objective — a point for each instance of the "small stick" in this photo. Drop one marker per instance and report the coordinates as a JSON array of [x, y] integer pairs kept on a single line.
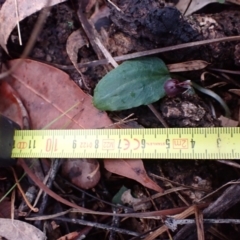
[[229, 163], [22, 192], [144, 53], [12, 203], [18, 25], [173, 223], [97, 225], [158, 116], [114, 5]]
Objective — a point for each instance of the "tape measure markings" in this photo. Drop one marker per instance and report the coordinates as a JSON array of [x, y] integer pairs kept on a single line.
[[177, 143]]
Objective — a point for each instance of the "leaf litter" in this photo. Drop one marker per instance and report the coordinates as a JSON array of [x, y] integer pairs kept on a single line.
[[9, 19], [71, 115], [44, 93]]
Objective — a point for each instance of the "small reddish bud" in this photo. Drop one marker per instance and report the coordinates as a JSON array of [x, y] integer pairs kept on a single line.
[[173, 87]]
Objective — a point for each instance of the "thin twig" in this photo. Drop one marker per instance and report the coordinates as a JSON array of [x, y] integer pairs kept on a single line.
[[50, 216], [55, 164], [97, 225], [178, 184], [223, 186], [82, 222], [172, 223], [229, 163], [199, 224], [158, 116], [114, 5], [22, 192], [91, 33], [177, 193], [158, 195], [11, 189], [13, 196], [225, 71], [122, 121], [151, 52], [40, 190], [18, 25]]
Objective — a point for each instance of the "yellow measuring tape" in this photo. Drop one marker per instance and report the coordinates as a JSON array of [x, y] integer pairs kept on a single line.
[[174, 143]]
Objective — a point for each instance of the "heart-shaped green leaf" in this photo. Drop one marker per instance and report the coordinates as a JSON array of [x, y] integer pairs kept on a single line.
[[132, 84]]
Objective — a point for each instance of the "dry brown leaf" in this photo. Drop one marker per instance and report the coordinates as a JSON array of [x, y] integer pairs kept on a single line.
[[195, 5], [187, 66], [47, 96], [9, 106], [15, 229], [133, 169], [83, 173], [235, 91], [227, 122], [48, 92], [8, 17], [76, 41]]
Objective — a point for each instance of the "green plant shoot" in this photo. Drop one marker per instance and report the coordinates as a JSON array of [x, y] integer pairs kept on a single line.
[[132, 84]]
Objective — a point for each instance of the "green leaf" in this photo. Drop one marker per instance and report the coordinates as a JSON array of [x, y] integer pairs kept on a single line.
[[132, 84], [117, 198], [221, 1]]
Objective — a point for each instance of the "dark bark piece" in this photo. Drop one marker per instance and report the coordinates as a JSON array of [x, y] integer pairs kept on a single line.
[[228, 199], [147, 19], [148, 22]]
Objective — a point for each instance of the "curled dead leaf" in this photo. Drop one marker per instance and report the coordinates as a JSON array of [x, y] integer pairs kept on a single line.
[[132, 169], [83, 173], [187, 66], [186, 9], [12, 229], [75, 41]]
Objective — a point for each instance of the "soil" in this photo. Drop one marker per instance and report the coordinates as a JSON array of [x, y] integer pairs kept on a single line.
[[144, 25], [165, 26]]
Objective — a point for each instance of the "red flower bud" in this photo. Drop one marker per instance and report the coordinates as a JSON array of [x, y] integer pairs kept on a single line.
[[173, 87]]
